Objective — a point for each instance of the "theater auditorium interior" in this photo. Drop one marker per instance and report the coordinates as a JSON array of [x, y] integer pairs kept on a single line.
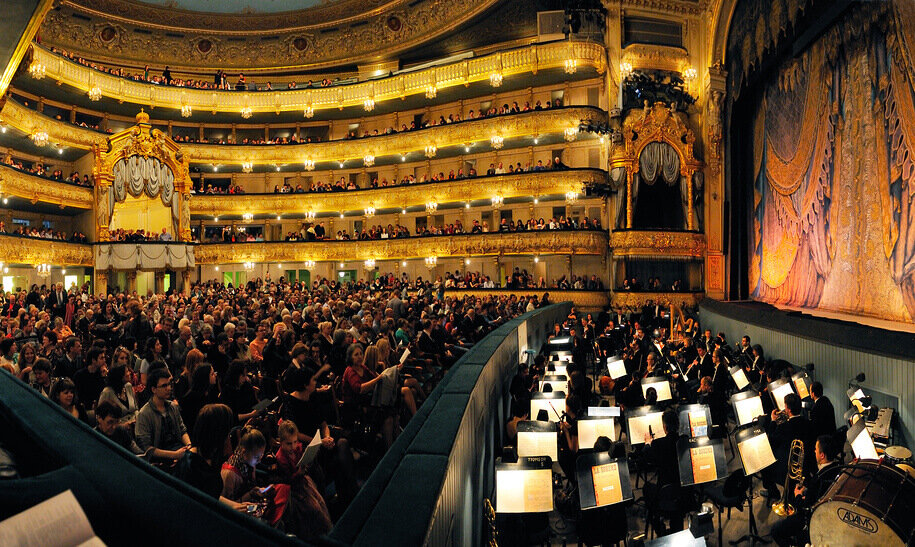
[[472, 273]]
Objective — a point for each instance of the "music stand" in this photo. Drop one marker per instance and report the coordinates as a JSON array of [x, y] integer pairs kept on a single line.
[[526, 486], [556, 368], [862, 444], [747, 406], [702, 460], [604, 411], [592, 427], [616, 368], [778, 390], [695, 420], [755, 453], [801, 384], [739, 376], [554, 404], [602, 480], [642, 420], [661, 384], [558, 382], [538, 439], [561, 356]]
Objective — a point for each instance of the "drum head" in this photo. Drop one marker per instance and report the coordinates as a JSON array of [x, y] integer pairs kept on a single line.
[[841, 523], [898, 452], [907, 468]]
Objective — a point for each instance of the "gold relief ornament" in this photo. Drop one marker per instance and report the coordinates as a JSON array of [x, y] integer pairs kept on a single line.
[[16, 183], [18, 250], [638, 300], [583, 300], [657, 243]]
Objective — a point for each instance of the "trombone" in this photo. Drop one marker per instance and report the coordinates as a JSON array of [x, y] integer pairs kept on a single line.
[[782, 507]]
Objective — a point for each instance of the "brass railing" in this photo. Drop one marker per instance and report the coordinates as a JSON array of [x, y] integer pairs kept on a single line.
[[14, 182]]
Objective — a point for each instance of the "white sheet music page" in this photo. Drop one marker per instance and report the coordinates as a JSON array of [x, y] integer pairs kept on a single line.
[[56, 521]]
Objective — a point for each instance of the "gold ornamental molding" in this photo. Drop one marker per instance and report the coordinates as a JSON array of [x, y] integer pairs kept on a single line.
[[586, 301], [541, 183], [32, 251], [510, 62], [42, 7], [33, 188], [657, 243], [59, 132], [656, 57], [493, 244], [638, 300]]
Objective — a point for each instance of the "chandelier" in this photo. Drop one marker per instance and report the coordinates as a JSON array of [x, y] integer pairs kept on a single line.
[[430, 150], [95, 93], [186, 111], [40, 138], [689, 75], [37, 70], [43, 270], [246, 112], [431, 261], [309, 263], [369, 212], [247, 166], [370, 264], [431, 92], [309, 111], [571, 65], [249, 266], [495, 79], [248, 217], [431, 207], [571, 197], [498, 201], [496, 141], [368, 104], [309, 165], [570, 133], [369, 160], [625, 69], [309, 215]]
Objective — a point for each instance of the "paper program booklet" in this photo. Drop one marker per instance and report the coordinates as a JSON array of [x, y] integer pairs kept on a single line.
[[56, 521], [311, 451]]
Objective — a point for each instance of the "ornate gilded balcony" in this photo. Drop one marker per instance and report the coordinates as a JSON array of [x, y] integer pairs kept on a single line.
[[17, 183], [29, 121], [651, 243], [585, 301], [510, 62], [524, 243], [32, 251], [636, 300], [540, 183]]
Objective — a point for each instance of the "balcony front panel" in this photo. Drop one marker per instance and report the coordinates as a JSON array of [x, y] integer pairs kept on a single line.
[[586, 301], [525, 243], [32, 251], [510, 62], [540, 183], [34, 188], [636, 300], [650, 243]]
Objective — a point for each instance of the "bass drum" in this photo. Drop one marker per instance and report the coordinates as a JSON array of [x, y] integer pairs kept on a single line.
[[869, 504]]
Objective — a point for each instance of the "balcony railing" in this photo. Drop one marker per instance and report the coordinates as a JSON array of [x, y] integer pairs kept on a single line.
[[583, 300], [32, 251], [537, 183], [507, 63], [652, 243], [36, 188]]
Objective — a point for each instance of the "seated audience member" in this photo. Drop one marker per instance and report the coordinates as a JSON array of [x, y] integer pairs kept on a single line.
[[107, 417], [204, 390], [120, 393], [43, 380], [311, 504], [238, 471], [64, 393], [160, 429], [237, 392]]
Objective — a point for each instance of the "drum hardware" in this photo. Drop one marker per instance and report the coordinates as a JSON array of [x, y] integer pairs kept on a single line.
[[796, 473]]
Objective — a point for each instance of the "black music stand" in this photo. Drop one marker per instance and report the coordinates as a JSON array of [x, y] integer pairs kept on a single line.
[[861, 442], [538, 436], [590, 428], [661, 384], [559, 381], [702, 460], [553, 402], [692, 418], [747, 406], [740, 377], [616, 367], [755, 453], [525, 486], [778, 390], [641, 420], [801, 384], [598, 476]]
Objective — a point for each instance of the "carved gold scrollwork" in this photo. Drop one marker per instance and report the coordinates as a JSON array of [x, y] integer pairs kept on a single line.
[[583, 300], [31, 187], [32, 251], [655, 243], [638, 300]]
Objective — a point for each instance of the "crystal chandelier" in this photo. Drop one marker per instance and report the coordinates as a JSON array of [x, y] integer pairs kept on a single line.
[[309, 165], [249, 266], [369, 160], [370, 264], [431, 207], [495, 79], [625, 69], [431, 92], [431, 261], [309, 263], [247, 166], [309, 215], [571, 197], [368, 104], [571, 65], [496, 141], [40, 138], [95, 93], [248, 217], [246, 112], [498, 201], [43, 270], [689, 75], [369, 212], [570, 133], [309, 111], [186, 111], [430, 150], [37, 70]]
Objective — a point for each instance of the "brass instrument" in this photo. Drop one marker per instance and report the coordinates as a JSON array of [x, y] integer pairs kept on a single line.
[[781, 417], [795, 472]]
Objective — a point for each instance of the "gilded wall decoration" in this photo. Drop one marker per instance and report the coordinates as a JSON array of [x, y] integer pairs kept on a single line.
[[516, 61], [397, 197], [29, 121], [32, 251], [656, 57], [638, 300], [657, 243], [16, 183], [526, 243], [586, 301]]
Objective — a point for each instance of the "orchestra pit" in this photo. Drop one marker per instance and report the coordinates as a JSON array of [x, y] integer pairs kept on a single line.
[[429, 272]]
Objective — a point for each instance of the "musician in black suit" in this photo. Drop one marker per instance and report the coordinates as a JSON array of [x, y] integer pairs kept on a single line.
[[662, 453], [782, 433], [822, 415], [790, 530]]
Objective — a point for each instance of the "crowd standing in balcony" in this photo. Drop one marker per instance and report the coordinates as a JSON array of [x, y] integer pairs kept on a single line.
[[43, 233], [38, 169]]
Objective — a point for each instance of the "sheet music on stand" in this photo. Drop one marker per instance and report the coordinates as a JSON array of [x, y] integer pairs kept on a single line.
[[739, 376], [661, 384], [538, 439], [602, 480], [754, 448], [747, 406], [801, 384], [604, 411], [557, 368], [862, 444], [701, 460], [554, 403], [778, 390], [616, 368], [555, 381], [695, 420], [592, 427], [638, 422], [525, 487]]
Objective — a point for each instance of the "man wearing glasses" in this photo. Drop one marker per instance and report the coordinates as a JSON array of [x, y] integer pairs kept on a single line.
[[160, 431]]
